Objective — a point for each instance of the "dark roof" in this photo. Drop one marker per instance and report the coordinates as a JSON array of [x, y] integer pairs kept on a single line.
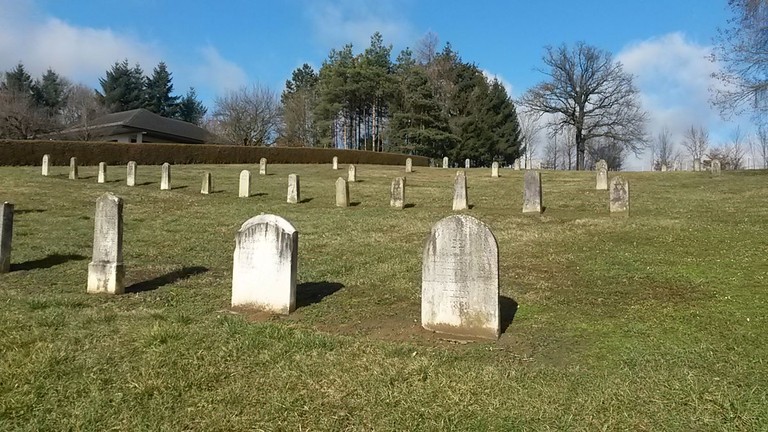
[[141, 120]]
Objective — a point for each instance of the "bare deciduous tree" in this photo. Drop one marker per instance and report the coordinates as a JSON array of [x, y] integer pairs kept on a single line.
[[247, 116], [762, 143], [696, 142], [426, 48], [530, 126], [591, 93], [81, 109], [19, 117], [663, 150]]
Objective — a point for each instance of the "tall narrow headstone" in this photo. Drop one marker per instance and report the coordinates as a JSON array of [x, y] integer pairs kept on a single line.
[[46, 162], [532, 192], [165, 177], [335, 162], [619, 196], [516, 165], [445, 162], [294, 191], [397, 193], [460, 201], [663, 167], [696, 165], [102, 177], [245, 184], [73, 168], [467, 163], [106, 271], [6, 236], [495, 170], [342, 193], [265, 264], [602, 175], [460, 279], [130, 174], [352, 177], [207, 187], [715, 167], [408, 165], [263, 166]]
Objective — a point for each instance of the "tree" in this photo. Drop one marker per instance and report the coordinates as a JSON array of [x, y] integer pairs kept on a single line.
[[20, 117], [82, 107], [299, 99], [742, 50], [591, 93], [762, 141], [158, 92], [530, 126], [663, 150], [190, 109], [696, 142], [612, 153], [18, 81], [122, 88], [247, 116]]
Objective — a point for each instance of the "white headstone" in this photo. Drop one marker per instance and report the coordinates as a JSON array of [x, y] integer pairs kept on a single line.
[[495, 170], [445, 162], [73, 168], [245, 184], [6, 236], [460, 279], [460, 200], [46, 163], [467, 163], [408, 165], [532, 192], [696, 165], [207, 186], [602, 175], [715, 167], [165, 177], [663, 167], [517, 165], [106, 272], [294, 191], [335, 162], [352, 177], [342, 193], [265, 264], [102, 177], [263, 166], [619, 196], [397, 193], [130, 178]]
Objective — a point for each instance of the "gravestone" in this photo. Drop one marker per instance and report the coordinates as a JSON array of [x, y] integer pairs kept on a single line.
[[715, 167], [165, 177], [130, 175], [460, 192], [46, 162], [294, 192], [663, 167], [73, 168], [352, 177], [532, 192], [263, 166], [619, 196], [467, 163], [342, 193], [601, 164], [102, 177], [460, 279], [106, 272], [397, 193], [696, 165], [408, 165], [495, 170], [602, 175], [335, 162], [445, 162], [6, 236], [265, 264], [516, 165], [207, 187], [245, 184]]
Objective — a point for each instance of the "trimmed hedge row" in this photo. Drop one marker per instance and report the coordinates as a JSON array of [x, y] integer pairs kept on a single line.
[[91, 153]]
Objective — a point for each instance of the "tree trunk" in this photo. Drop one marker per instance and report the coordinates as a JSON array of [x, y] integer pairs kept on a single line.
[[580, 150]]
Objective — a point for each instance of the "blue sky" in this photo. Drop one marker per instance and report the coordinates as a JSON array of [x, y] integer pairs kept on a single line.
[[215, 46]]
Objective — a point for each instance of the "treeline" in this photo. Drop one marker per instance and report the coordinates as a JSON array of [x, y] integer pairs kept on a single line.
[[426, 103]]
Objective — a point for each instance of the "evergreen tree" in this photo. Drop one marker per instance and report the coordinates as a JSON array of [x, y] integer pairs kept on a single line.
[[507, 143], [19, 81], [334, 99], [50, 92], [299, 99], [158, 92], [122, 87], [190, 109]]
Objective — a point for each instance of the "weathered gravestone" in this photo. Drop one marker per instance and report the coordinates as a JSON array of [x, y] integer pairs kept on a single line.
[[46, 163], [165, 177], [352, 174], [397, 193], [516, 165], [102, 177], [207, 186], [265, 264], [495, 169], [73, 168], [467, 163], [342, 193], [715, 167], [663, 167], [106, 272], [460, 200], [460, 279], [696, 165], [445, 162], [263, 166], [602, 175], [619, 196], [244, 191], [6, 236], [294, 192], [408, 165], [335, 162], [130, 174], [532, 192]]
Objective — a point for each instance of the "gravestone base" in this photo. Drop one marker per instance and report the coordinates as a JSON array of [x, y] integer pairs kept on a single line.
[[106, 278]]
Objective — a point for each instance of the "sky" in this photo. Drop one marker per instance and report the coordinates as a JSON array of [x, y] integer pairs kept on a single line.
[[219, 46]]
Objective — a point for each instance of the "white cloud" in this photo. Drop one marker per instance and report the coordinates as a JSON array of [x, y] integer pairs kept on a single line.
[[218, 73], [490, 76]]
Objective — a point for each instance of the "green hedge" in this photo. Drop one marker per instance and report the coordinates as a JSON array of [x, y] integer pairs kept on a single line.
[[91, 153]]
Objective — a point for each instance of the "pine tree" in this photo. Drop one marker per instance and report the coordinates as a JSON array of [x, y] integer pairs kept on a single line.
[[299, 99], [50, 92], [190, 109], [122, 87], [18, 81], [158, 92]]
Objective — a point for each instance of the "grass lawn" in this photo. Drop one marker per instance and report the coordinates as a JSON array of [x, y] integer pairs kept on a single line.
[[655, 322]]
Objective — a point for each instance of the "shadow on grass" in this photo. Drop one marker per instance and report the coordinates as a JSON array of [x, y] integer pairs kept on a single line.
[[411, 205], [166, 279], [179, 187], [305, 200], [47, 262], [258, 194], [308, 293], [354, 204], [21, 212], [85, 178], [145, 184], [507, 311]]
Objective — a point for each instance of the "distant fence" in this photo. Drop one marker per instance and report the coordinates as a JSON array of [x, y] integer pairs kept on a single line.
[[91, 153]]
